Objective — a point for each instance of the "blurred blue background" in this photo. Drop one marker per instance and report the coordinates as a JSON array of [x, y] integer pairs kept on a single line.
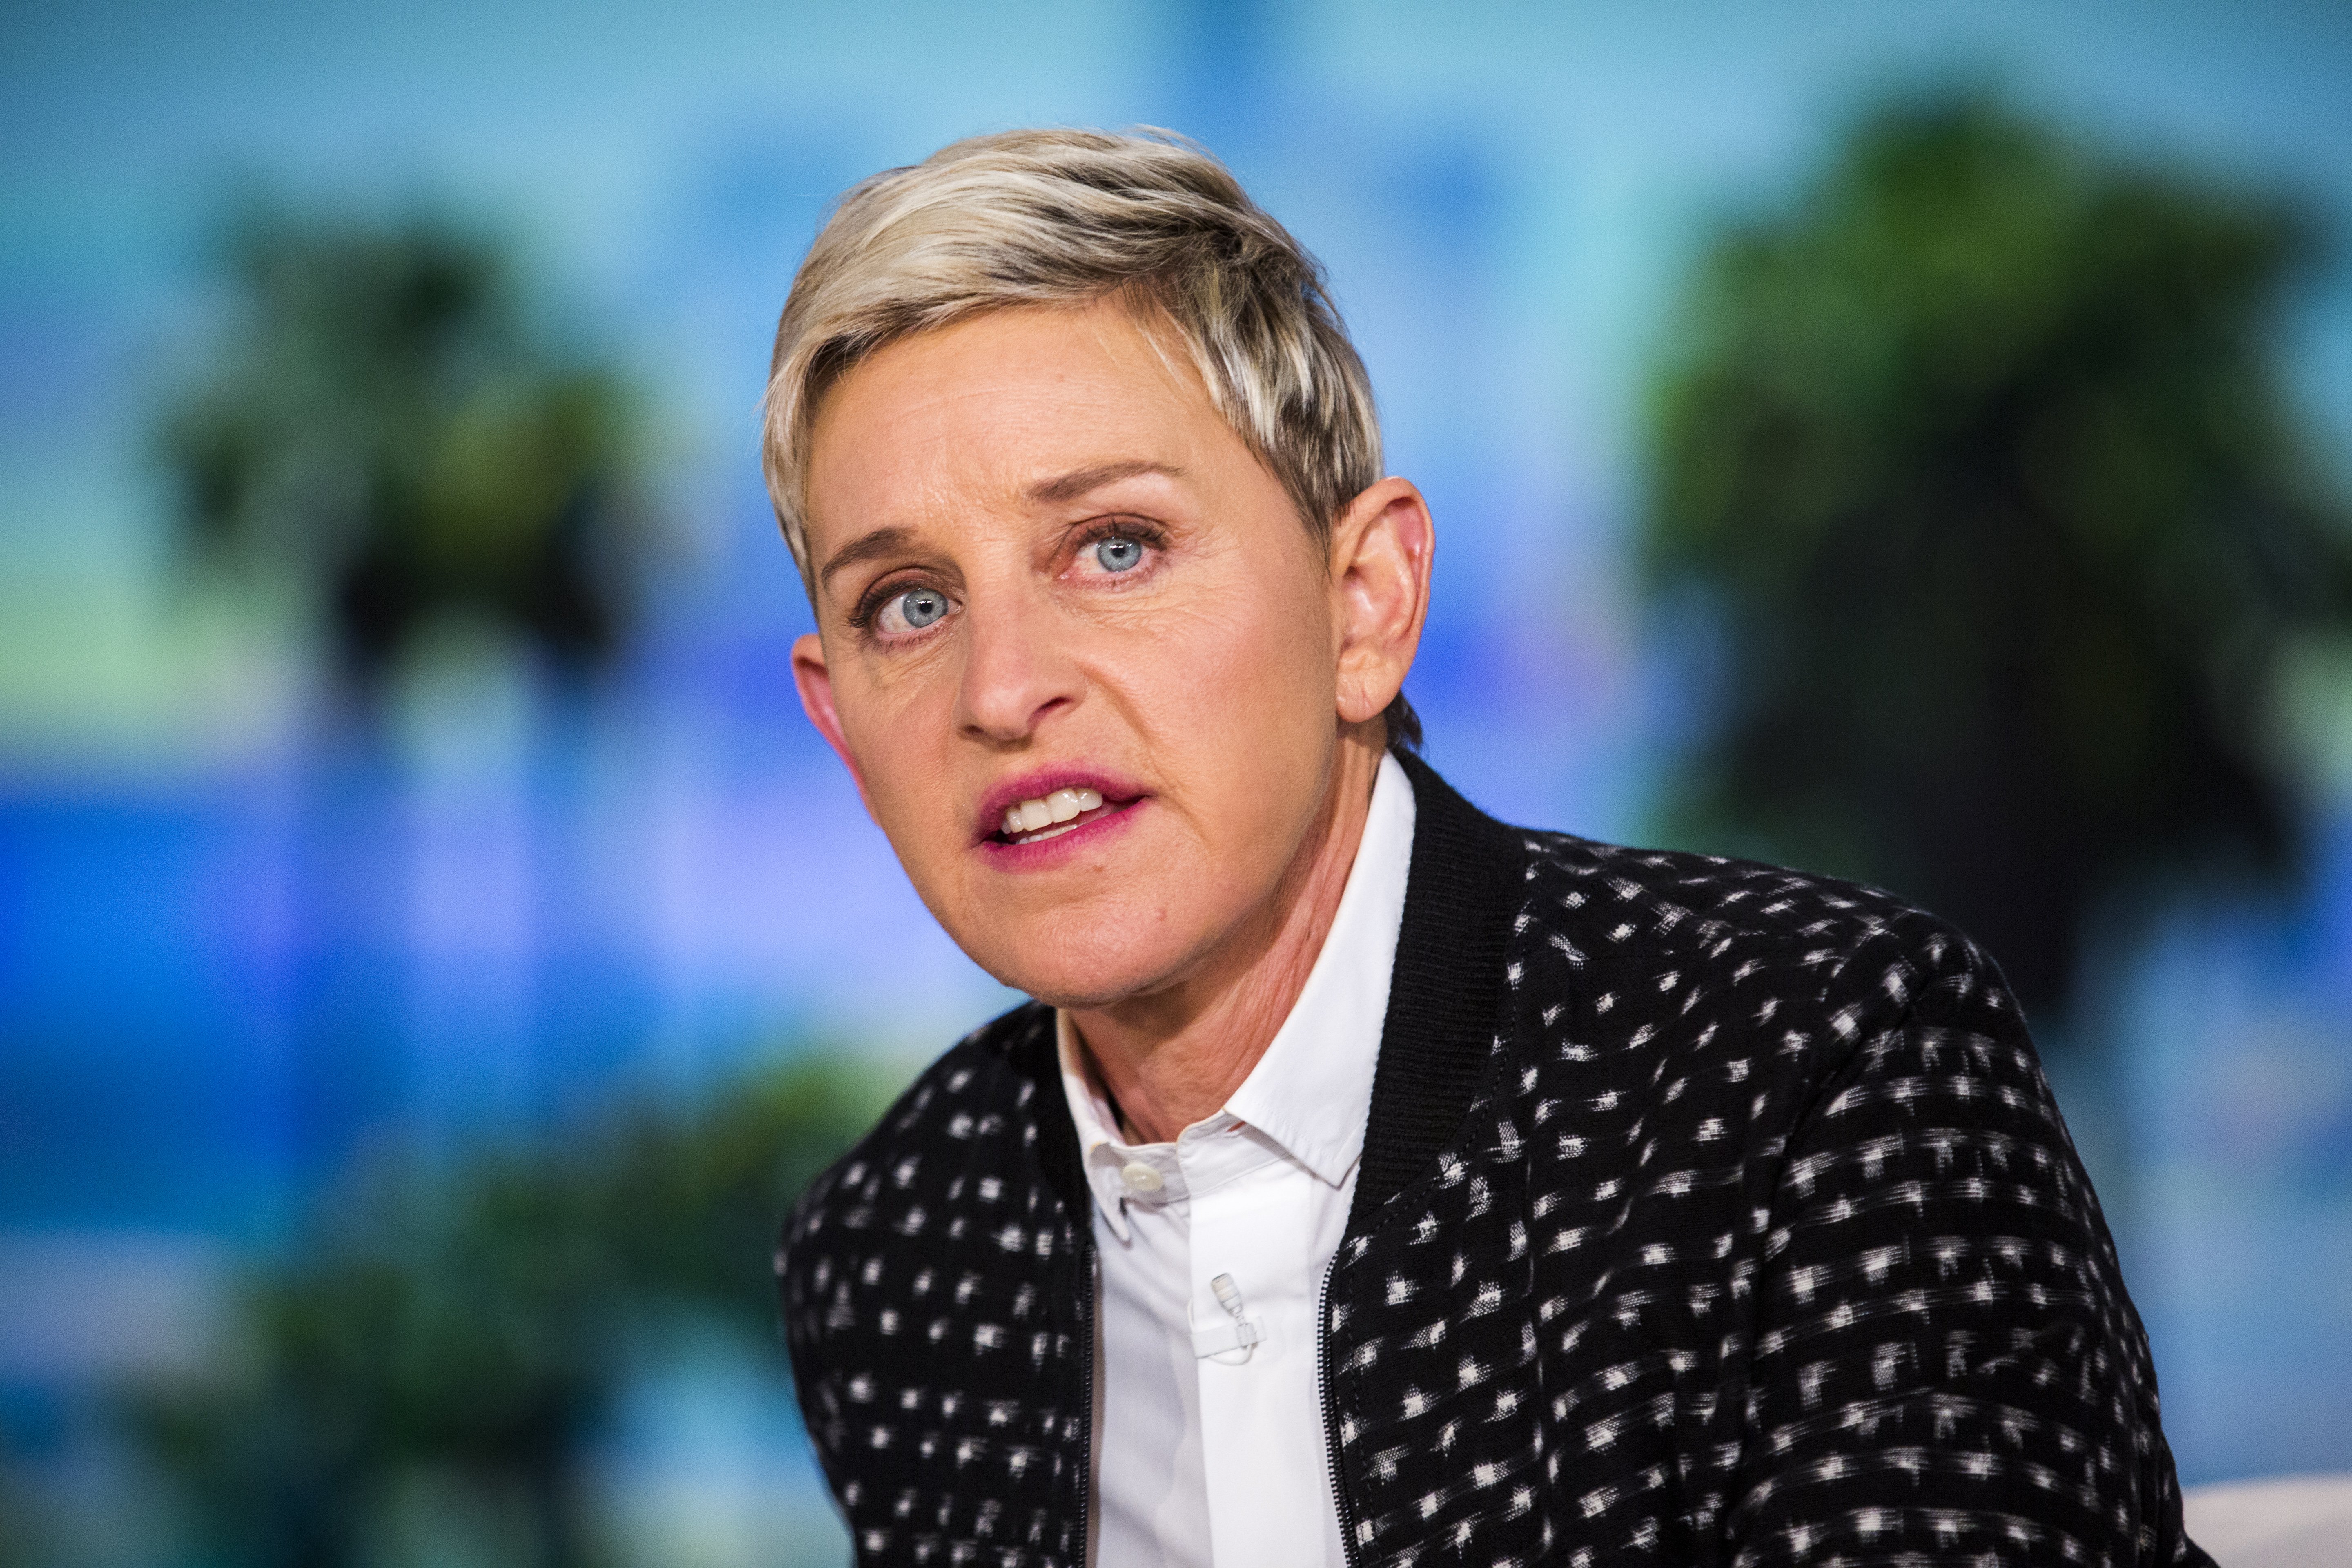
[[241, 947]]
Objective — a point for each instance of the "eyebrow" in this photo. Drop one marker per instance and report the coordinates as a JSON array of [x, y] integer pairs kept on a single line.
[[881, 541], [1080, 482]]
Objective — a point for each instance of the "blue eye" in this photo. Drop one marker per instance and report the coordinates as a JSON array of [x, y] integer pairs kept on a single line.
[[918, 608], [1118, 554]]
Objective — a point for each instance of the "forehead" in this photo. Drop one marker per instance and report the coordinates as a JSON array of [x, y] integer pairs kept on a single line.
[[985, 410]]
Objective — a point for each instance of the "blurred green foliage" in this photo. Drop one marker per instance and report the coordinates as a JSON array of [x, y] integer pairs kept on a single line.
[[384, 418], [449, 1337], [21, 1538], [1979, 459]]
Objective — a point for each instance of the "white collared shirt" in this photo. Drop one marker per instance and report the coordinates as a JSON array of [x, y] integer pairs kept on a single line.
[[1210, 1448]]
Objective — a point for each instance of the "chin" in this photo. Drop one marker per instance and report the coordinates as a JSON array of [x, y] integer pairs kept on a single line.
[[1078, 975]]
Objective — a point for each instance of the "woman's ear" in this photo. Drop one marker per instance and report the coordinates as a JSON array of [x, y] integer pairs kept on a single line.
[[814, 678], [1381, 549]]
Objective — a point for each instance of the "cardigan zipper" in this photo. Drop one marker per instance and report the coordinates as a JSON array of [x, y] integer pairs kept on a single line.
[[1331, 1413], [1086, 1394]]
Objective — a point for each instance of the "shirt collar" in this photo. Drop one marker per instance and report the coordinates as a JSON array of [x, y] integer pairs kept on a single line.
[[1311, 1092]]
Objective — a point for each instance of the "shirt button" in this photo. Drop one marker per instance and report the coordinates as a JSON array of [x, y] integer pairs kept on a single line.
[[1141, 1177]]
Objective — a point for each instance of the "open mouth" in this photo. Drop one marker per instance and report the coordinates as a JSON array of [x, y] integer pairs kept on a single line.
[[1052, 815]]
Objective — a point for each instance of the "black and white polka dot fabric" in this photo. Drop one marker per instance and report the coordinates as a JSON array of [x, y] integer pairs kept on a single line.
[[1708, 1214]]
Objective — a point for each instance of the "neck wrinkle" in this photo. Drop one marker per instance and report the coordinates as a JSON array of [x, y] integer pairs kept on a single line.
[[1171, 1060]]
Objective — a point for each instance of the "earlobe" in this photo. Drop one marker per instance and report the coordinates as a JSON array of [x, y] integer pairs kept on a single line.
[[1383, 551], [814, 678]]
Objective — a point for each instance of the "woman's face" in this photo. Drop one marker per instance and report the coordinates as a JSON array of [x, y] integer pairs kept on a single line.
[[1075, 643]]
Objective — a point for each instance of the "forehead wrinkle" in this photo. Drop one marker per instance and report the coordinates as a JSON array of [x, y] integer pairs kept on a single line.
[[940, 451], [1080, 482]]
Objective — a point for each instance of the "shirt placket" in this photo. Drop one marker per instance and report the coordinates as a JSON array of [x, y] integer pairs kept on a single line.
[[1251, 1224]]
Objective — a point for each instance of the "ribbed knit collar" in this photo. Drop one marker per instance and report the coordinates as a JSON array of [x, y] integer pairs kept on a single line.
[[1446, 996]]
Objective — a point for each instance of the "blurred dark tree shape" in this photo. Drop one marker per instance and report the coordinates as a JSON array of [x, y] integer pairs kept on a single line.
[[1979, 460], [385, 418], [470, 1325]]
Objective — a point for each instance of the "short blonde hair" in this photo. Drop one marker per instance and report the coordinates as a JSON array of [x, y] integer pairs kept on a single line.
[[1068, 217]]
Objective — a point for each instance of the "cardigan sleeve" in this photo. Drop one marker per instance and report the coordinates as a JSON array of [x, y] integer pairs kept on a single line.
[[1945, 1366]]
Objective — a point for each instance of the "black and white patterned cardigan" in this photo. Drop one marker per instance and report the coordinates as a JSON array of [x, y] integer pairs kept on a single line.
[[1709, 1213]]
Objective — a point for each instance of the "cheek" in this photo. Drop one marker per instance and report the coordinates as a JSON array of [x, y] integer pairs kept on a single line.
[[900, 729], [1256, 649], [1236, 686]]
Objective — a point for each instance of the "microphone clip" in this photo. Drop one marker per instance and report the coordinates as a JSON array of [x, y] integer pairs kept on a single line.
[[1230, 1342]]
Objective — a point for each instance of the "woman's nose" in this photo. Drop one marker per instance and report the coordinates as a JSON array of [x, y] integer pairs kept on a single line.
[[1015, 672]]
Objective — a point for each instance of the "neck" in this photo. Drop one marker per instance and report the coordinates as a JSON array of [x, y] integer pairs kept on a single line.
[[1173, 1057]]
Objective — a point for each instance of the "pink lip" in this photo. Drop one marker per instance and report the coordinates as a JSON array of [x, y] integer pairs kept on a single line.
[[1062, 847], [1117, 793]]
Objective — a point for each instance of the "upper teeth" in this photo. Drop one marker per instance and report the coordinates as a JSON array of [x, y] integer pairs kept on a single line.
[[1059, 806]]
